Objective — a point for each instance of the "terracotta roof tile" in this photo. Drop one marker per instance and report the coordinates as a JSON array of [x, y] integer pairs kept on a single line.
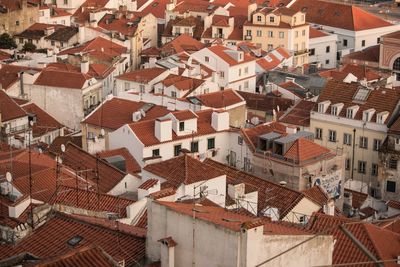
[[142, 222], [9, 74], [90, 200], [148, 184], [165, 192], [348, 17], [379, 99], [44, 121], [55, 147], [51, 240], [218, 99], [78, 159], [394, 204], [315, 33], [264, 102], [370, 54], [220, 51], [358, 198], [123, 25], [317, 194], [299, 114], [131, 164], [268, 62], [142, 75], [183, 170], [9, 109], [157, 8], [182, 43], [250, 135], [304, 149], [269, 193], [64, 79], [4, 56]]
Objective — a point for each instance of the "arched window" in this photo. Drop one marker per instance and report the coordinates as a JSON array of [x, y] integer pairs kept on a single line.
[[396, 64]]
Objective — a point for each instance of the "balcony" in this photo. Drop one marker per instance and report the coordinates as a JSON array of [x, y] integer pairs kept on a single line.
[[248, 37], [219, 35]]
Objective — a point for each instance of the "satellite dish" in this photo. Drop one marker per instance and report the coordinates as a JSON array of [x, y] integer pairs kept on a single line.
[[9, 177], [40, 151], [62, 148], [31, 123], [102, 132]]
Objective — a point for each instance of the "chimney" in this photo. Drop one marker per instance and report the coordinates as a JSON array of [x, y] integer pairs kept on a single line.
[[291, 129], [167, 252], [250, 9], [163, 129], [220, 120], [48, 31], [81, 34], [84, 67]]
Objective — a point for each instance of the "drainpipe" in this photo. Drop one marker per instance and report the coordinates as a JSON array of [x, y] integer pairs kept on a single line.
[[352, 157]]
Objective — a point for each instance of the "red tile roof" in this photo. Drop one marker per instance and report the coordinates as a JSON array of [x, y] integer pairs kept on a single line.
[[382, 244], [268, 62], [183, 170], [182, 43], [82, 14], [299, 114], [9, 109], [182, 83], [145, 130], [361, 72], [220, 51], [4, 56], [358, 198], [9, 74], [157, 8], [317, 194], [51, 240], [64, 79], [348, 17], [250, 135], [116, 112], [264, 102], [78, 159], [379, 99], [370, 54], [99, 48], [394, 204], [269, 193], [131, 164], [148, 184], [304, 150], [164, 192], [183, 115], [142, 75], [90, 256], [55, 147], [315, 33], [44, 122], [88, 199], [219, 99], [123, 25]]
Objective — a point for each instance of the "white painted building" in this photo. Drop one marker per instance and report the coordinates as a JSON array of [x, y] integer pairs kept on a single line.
[[323, 48], [234, 68]]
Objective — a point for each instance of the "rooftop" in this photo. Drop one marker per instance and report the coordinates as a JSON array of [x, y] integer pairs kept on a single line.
[[9, 109], [143, 76], [299, 114]]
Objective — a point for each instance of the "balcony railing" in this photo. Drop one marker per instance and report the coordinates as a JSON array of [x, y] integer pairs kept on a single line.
[[301, 52], [219, 35], [248, 37]]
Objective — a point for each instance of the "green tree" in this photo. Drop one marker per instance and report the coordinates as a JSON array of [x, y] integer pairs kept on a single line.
[[29, 47], [6, 42]]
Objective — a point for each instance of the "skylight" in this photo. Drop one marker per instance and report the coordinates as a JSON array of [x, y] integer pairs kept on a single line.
[[362, 94], [75, 240]]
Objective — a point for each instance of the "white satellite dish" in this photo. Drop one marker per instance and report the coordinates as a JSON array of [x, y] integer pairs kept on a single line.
[[8, 177], [62, 148], [102, 132], [31, 123], [40, 151]]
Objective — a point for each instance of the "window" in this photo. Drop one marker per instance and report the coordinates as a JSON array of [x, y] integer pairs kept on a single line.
[[141, 88], [259, 18], [173, 94], [327, 62], [318, 133], [270, 47], [155, 152], [21, 40], [361, 166], [177, 150], [246, 70], [332, 136], [334, 110], [347, 164], [240, 140], [126, 85], [222, 74], [303, 32], [328, 49], [210, 143], [186, 30], [391, 186], [270, 34], [377, 144], [281, 35], [248, 32], [312, 52], [347, 139], [378, 40], [296, 34], [271, 19], [393, 164], [259, 33], [240, 72], [363, 43], [344, 42], [181, 126], [194, 146], [65, 2], [17, 23], [349, 113], [246, 85], [206, 59], [374, 169], [363, 142]]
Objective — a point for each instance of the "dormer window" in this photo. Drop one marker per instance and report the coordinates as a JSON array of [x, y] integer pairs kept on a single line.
[[323, 106], [271, 19], [181, 126], [367, 114], [351, 112], [381, 117], [336, 109], [259, 18]]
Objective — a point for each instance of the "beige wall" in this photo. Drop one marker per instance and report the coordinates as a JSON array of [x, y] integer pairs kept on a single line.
[[25, 18]]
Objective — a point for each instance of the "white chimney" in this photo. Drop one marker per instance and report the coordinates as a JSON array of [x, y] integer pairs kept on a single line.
[[49, 30], [136, 116], [220, 120], [163, 129], [85, 67], [291, 129]]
